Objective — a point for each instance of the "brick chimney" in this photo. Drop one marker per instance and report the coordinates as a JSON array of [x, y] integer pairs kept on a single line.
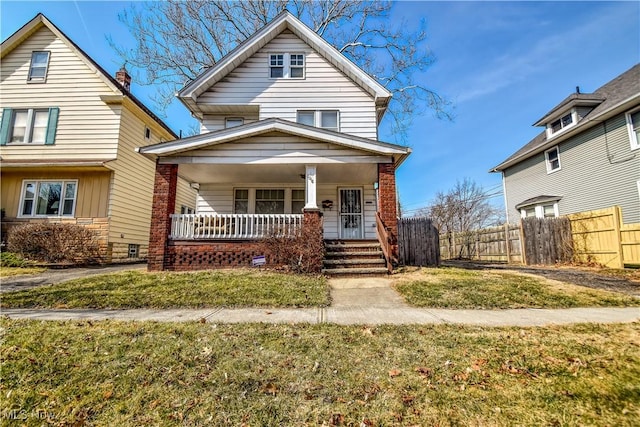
[[123, 77]]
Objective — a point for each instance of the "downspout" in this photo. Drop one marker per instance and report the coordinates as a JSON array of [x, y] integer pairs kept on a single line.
[[504, 192]]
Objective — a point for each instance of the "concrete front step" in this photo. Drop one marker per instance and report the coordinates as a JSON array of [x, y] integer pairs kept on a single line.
[[354, 258], [369, 271], [354, 254], [352, 261]]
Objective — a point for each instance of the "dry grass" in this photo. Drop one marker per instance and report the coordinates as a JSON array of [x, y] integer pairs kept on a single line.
[[483, 289], [137, 289], [131, 374], [20, 271]]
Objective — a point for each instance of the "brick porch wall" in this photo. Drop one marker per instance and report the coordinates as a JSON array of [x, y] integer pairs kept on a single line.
[[164, 202], [387, 202], [185, 255]]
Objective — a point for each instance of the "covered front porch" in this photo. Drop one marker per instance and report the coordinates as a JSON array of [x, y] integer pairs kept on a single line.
[[274, 182]]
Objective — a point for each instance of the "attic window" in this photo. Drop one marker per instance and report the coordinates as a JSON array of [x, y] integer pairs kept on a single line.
[[232, 122], [562, 123], [286, 65], [38, 67]]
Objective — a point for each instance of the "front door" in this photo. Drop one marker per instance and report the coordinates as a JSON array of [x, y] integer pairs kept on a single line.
[[351, 215]]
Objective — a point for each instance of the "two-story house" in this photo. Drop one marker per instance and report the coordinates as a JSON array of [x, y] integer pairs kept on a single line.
[[68, 135], [289, 129], [586, 158]]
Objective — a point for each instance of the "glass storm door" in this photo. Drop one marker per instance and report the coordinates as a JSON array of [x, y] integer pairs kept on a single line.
[[351, 217]]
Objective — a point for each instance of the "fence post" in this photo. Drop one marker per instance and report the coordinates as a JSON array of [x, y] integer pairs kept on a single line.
[[523, 248], [507, 236], [617, 223]]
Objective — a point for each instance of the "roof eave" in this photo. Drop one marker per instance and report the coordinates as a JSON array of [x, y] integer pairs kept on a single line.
[[251, 45], [582, 126]]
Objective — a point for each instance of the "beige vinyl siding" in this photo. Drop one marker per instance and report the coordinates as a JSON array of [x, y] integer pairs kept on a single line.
[[213, 122], [218, 198], [87, 127], [323, 88], [92, 193], [598, 170], [133, 180]]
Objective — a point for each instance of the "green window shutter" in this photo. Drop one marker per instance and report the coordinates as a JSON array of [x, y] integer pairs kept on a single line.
[[52, 125], [5, 126]]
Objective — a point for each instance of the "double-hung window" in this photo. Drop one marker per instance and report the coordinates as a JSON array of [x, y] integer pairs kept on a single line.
[[48, 198], [38, 67], [549, 210], [633, 124], [270, 201], [286, 65], [325, 119], [552, 157], [28, 126]]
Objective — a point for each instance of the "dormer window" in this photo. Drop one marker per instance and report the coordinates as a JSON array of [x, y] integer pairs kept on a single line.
[[38, 67], [286, 65], [561, 124]]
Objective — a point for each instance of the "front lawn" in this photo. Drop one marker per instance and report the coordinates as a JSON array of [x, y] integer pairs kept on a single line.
[[131, 374], [448, 287], [19, 271], [137, 289]]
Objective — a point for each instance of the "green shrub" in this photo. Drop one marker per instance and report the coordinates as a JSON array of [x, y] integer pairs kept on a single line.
[[10, 259], [52, 242]]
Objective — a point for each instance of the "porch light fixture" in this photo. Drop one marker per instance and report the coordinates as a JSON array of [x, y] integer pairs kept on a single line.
[[327, 204]]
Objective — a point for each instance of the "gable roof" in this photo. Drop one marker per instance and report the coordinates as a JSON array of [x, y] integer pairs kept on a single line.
[[222, 136], [39, 21], [285, 20], [613, 98]]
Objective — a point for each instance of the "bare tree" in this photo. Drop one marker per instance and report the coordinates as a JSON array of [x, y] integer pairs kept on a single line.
[[176, 40], [461, 210]]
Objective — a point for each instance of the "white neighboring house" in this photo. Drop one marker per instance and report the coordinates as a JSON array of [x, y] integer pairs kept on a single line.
[[289, 127]]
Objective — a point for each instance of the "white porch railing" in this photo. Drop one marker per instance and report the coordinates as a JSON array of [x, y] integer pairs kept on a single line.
[[233, 226]]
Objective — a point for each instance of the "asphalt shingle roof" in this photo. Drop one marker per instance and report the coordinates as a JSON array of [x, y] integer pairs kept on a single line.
[[617, 90]]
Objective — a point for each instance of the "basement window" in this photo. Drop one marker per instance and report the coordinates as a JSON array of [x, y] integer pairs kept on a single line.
[[134, 251]]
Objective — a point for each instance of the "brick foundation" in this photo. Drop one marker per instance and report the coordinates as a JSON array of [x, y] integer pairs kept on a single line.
[[201, 255]]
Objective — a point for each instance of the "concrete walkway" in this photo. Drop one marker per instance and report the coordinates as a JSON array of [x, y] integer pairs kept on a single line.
[[369, 301]]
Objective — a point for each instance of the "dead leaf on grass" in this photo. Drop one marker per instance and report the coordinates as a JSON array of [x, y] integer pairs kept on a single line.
[[337, 420], [395, 373], [425, 372]]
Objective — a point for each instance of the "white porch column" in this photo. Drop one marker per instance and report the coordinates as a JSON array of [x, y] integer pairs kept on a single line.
[[310, 187]]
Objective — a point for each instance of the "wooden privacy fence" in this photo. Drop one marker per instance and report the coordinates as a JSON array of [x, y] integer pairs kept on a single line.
[[546, 240], [488, 244], [418, 242], [601, 237]]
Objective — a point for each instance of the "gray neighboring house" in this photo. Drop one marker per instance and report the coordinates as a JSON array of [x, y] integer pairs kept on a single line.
[[587, 157]]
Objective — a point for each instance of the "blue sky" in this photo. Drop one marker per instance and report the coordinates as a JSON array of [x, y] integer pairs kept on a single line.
[[503, 64]]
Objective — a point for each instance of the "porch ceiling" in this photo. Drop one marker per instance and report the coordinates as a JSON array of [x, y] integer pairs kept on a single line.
[[280, 173]]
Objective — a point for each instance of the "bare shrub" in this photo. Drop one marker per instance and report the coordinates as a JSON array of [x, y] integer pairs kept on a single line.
[[51, 242], [301, 253]]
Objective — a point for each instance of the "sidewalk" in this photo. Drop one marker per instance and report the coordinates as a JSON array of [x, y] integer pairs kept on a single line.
[[355, 301], [373, 315]]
